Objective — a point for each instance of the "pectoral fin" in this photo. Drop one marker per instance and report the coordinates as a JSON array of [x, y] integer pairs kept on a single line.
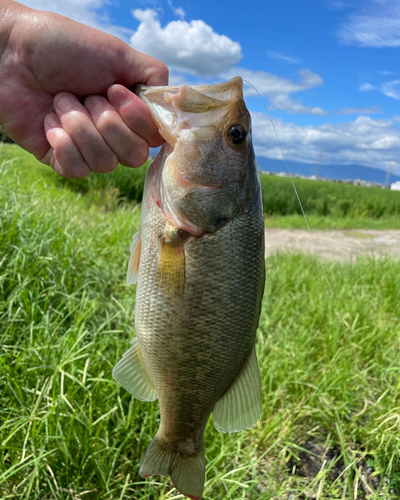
[[134, 261], [240, 407], [131, 373], [171, 263]]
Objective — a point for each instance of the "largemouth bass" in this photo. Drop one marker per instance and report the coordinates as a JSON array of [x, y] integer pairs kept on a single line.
[[199, 265]]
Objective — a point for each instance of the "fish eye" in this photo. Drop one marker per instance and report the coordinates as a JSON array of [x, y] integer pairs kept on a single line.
[[236, 134]]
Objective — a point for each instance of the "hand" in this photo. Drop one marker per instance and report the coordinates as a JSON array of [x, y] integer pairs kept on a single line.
[[55, 76]]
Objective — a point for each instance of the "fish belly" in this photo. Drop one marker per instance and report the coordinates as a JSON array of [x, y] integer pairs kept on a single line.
[[195, 345]]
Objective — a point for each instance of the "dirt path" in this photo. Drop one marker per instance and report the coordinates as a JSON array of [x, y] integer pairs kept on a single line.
[[341, 245]]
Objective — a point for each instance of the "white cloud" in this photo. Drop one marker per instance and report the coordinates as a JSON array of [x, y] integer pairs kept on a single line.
[[376, 24], [191, 47], [364, 141], [365, 87], [282, 57], [267, 83], [385, 72], [367, 110], [178, 11], [338, 5], [278, 89], [187, 46], [177, 78], [84, 11], [293, 106], [391, 89]]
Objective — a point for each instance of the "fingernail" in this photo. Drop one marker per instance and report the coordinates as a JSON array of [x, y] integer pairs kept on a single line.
[[52, 121], [119, 98], [92, 102], [64, 102]]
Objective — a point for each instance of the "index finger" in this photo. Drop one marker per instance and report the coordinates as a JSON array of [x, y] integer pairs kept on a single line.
[[135, 114]]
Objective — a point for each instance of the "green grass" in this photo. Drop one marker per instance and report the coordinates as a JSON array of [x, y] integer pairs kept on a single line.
[[328, 199], [296, 221], [121, 185], [68, 431], [327, 205]]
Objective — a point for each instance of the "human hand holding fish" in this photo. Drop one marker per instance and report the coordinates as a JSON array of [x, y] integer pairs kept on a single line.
[[198, 262], [55, 76]]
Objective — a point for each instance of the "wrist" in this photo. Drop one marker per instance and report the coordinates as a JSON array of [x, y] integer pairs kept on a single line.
[[9, 13]]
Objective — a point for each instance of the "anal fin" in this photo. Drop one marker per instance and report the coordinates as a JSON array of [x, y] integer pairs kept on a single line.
[[240, 407], [131, 374]]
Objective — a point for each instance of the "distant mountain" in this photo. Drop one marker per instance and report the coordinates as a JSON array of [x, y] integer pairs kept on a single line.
[[327, 171]]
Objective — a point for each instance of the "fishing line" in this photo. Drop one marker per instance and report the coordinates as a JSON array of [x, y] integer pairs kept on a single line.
[[343, 323], [298, 199]]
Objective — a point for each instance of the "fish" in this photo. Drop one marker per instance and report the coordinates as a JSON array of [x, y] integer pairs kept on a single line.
[[198, 261]]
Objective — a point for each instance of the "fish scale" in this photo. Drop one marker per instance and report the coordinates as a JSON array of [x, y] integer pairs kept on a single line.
[[199, 269], [177, 344]]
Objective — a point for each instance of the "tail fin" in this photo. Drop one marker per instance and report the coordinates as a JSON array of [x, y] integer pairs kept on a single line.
[[187, 471]]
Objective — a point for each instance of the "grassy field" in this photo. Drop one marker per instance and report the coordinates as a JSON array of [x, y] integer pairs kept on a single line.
[[330, 422], [328, 205]]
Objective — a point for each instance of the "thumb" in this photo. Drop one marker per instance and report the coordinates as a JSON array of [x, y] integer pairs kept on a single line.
[[145, 69]]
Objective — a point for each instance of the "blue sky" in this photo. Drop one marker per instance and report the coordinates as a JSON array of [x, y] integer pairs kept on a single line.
[[328, 70]]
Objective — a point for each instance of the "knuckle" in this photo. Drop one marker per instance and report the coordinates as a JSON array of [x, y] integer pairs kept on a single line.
[[64, 143], [74, 121], [106, 123], [67, 160]]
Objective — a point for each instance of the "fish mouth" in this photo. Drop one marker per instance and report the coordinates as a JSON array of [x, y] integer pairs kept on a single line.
[[221, 92], [175, 109]]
